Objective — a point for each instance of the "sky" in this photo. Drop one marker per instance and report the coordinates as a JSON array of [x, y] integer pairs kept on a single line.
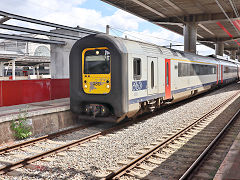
[[93, 14]]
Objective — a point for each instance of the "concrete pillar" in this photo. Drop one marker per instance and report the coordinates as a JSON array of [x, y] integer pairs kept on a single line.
[[34, 71], [1, 69], [59, 67], [13, 70], [190, 37], [37, 67], [233, 54], [219, 49]]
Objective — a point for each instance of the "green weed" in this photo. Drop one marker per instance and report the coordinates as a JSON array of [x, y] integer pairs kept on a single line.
[[20, 127]]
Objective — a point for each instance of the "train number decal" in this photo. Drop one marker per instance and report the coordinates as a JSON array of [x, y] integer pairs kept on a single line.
[[139, 85]]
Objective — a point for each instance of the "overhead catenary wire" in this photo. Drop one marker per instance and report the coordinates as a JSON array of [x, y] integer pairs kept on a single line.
[[115, 33], [130, 35], [124, 31], [49, 8]]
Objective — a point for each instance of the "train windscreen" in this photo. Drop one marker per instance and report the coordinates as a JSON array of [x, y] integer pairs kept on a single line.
[[97, 61]]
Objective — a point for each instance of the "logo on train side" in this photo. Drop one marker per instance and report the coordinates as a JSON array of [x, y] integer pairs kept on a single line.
[[139, 85]]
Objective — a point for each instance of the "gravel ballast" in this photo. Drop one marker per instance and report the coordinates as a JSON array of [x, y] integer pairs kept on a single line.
[[92, 161]]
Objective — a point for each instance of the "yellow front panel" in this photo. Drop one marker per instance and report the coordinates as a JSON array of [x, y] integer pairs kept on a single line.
[[95, 83]]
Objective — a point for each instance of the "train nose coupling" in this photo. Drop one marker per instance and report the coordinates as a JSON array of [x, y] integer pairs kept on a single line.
[[96, 110]]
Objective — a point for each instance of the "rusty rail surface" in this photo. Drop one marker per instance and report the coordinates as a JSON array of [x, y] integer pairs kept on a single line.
[[127, 168], [43, 138]]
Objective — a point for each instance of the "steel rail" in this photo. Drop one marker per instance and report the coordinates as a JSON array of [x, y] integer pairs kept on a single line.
[[31, 20], [39, 156], [31, 159], [204, 154], [4, 19], [117, 174], [28, 160], [43, 138], [30, 39], [34, 31]]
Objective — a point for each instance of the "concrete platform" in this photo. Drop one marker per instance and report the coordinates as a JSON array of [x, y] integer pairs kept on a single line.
[[230, 167], [44, 117]]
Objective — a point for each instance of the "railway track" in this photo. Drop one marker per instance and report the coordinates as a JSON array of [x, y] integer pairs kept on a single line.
[[206, 166], [26, 143], [177, 155], [7, 149], [24, 146], [58, 148]]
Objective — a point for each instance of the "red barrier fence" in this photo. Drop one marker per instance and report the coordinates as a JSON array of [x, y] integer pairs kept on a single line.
[[29, 91]]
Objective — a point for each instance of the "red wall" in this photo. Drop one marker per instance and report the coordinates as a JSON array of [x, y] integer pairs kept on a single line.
[[59, 88], [28, 91]]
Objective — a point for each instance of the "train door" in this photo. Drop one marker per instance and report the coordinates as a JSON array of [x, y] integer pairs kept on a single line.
[[217, 74], [152, 75], [238, 70], [168, 94], [221, 74]]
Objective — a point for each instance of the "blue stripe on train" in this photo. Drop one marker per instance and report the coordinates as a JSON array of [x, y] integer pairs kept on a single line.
[[146, 98]]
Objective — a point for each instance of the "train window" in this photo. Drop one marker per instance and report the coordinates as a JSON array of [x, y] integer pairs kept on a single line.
[[152, 74], [136, 68], [179, 69], [229, 69], [187, 69], [225, 69], [191, 70], [97, 61], [184, 71]]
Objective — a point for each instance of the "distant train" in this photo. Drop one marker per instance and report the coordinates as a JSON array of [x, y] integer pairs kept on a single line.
[[112, 78]]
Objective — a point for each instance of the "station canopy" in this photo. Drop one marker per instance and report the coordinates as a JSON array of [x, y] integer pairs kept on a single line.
[[22, 60], [217, 20]]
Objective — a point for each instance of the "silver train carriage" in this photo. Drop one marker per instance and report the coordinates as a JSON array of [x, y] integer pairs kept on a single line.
[[112, 78]]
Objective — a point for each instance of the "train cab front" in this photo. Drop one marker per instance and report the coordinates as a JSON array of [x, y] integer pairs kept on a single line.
[[96, 90], [96, 68], [96, 80]]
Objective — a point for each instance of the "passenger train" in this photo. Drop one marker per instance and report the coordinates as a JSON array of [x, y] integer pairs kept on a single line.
[[112, 78]]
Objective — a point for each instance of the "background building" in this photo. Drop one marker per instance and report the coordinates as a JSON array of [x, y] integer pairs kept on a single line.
[[29, 58]]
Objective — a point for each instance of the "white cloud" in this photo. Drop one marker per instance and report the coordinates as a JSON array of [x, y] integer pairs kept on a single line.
[[123, 20], [204, 50], [164, 37], [70, 13], [93, 19]]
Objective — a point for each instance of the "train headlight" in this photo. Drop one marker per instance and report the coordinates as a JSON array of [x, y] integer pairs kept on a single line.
[[108, 86], [87, 109], [104, 110], [85, 86]]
